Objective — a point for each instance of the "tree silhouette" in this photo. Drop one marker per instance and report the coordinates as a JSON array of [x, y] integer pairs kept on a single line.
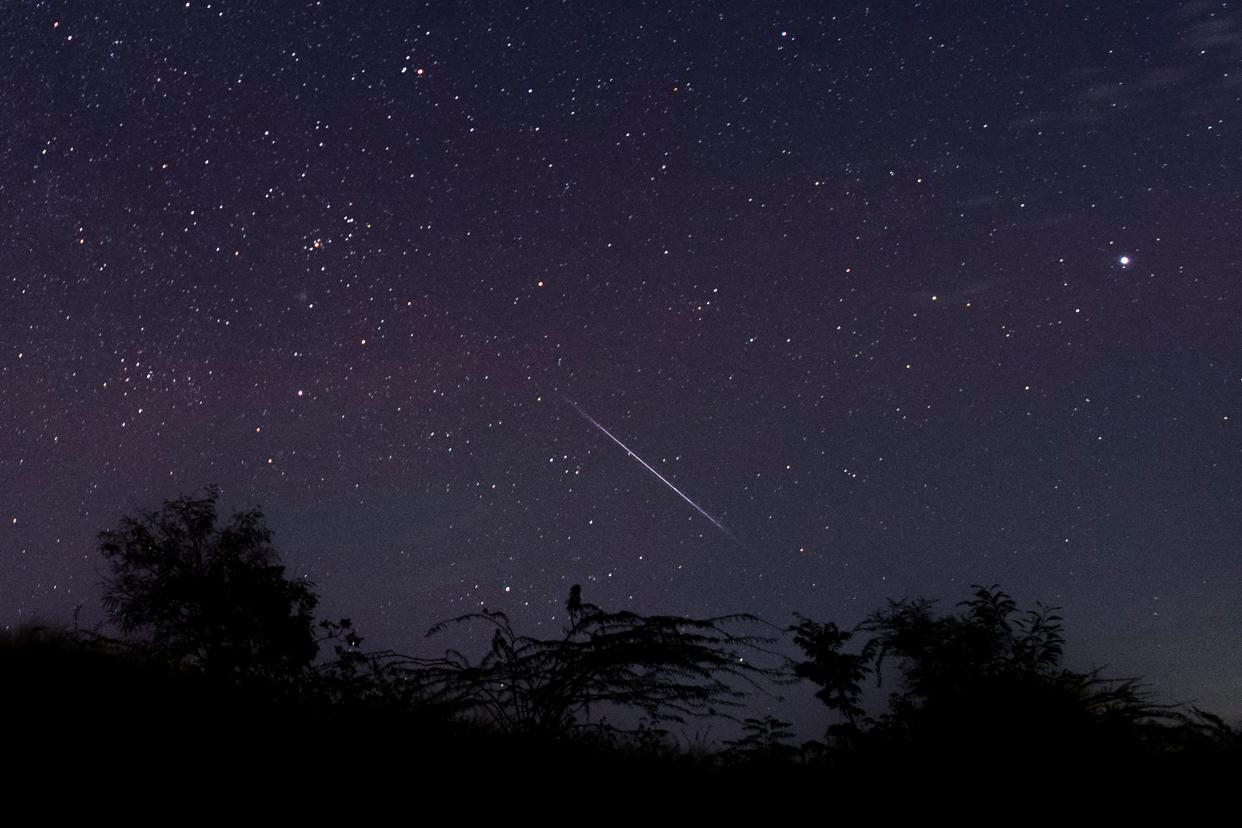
[[767, 740], [211, 598], [987, 678], [839, 674], [664, 667]]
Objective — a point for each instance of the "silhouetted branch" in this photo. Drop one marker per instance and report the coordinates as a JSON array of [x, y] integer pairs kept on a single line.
[[668, 667]]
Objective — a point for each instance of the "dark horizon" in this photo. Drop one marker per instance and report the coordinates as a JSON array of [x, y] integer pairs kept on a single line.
[[906, 298]]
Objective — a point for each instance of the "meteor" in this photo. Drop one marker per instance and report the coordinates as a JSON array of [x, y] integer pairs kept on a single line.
[[648, 467]]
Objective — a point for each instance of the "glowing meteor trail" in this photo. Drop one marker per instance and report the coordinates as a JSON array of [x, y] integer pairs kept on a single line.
[[648, 467]]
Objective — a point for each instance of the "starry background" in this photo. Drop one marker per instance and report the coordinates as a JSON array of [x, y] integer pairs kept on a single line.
[[908, 296]]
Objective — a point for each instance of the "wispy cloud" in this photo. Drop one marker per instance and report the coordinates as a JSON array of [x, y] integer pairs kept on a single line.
[[1197, 72]]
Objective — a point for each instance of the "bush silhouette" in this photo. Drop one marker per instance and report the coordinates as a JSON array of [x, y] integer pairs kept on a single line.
[[984, 682], [211, 598]]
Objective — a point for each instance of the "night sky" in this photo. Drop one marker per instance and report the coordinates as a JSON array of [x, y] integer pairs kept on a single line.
[[906, 297]]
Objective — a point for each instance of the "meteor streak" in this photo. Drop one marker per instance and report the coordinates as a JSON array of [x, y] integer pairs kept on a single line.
[[648, 467]]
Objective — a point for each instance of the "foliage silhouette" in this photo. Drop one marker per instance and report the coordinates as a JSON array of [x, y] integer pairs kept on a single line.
[[983, 682], [838, 674], [763, 741], [983, 686], [666, 668], [211, 598]]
